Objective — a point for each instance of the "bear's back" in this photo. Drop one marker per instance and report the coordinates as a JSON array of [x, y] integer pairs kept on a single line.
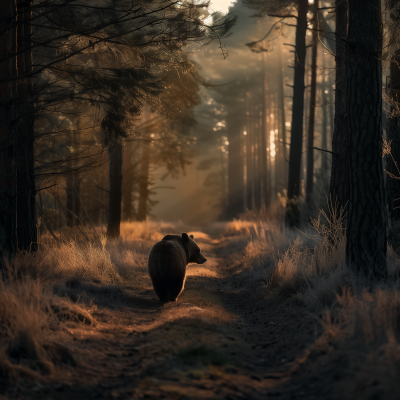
[[167, 255]]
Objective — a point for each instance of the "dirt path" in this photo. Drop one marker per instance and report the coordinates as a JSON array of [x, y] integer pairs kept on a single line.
[[227, 337]]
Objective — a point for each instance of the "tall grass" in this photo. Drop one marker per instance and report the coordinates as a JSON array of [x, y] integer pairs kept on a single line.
[[358, 319], [33, 307]]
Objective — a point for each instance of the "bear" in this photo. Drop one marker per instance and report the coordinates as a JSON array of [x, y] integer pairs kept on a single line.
[[167, 264]]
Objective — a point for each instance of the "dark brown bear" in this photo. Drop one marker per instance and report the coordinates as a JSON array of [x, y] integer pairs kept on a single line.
[[168, 260]]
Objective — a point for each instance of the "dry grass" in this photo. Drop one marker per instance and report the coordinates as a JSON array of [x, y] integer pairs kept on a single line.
[[361, 323], [29, 313], [35, 299], [69, 260], [362, 337], [309, 265]]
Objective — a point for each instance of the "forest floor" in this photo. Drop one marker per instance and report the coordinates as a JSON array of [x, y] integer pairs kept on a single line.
[[229, 336]]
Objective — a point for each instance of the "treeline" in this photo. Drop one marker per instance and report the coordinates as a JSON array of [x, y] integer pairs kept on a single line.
[[259, 113], [76, 80], [355, 146]]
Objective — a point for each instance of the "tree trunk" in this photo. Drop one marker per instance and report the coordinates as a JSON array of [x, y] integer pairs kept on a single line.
[[24, 136], [129, 175], [235, 168], [144, 183], [263, 147], [115, 195], [77, 178], [282, 147], [311, 121], [7, 93], [393, 128], [277, 163], [249, 160], [70, 197], [77, 197], [393, 136], [296, 139], [366, 222], [338, 187], [324, 141]]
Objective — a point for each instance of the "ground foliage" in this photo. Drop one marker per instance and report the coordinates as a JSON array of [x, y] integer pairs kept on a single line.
[[273, 311]]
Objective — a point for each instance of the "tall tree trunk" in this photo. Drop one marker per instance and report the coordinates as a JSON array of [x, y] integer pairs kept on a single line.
[[282, 147], [77, 197], [393, 127], [70, 196], [331, 109], [393, 136], [324, 141], [240, 189], [144, 183], [235, 168], [76, 179], [224, 204], [24, 136], [311, 121], [129, 175], [115, 195], [366, 222], [263, 145], [8, 43], [278, 163], [249, 160], [69, 180], [298, 102], [269, 158], [338, 186], [296, 139], [256, 144]]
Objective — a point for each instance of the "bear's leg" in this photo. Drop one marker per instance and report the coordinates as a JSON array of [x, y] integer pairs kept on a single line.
[[175, 289], [161, 291]]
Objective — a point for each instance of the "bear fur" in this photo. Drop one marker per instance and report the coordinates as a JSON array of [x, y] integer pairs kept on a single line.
[[167, 264]]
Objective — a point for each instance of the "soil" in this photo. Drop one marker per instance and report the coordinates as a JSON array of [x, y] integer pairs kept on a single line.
[[227, 337]]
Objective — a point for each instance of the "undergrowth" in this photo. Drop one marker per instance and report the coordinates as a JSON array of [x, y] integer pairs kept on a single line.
[[37, 296], [360, 320]]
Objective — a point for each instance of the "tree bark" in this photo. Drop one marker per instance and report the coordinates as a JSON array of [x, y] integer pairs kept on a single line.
[[24, 135], [282, 147], [256, 144], [393, 136], [263, 145], [144, 183], [115, 195], [296, 139], [129, 174], [235, 169], [77, 197], [311, 121], [338, 187], [249, 160], [7, 115], [366, 222], [393, 128], [324, 139], [70, 197]]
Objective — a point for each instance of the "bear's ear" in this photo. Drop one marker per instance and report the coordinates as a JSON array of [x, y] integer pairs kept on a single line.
[[186, 242], [191, 237]]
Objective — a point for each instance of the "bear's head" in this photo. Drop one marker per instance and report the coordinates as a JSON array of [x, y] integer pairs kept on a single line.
[[193, 249]]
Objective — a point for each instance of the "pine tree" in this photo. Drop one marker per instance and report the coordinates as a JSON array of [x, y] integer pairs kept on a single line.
[[366, 221], [338, 186]]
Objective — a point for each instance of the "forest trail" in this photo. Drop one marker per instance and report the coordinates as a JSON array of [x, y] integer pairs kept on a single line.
[[227, 337]]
